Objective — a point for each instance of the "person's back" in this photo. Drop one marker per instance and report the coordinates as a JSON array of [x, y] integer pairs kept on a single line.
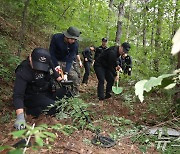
[[108, 59], [100, 49]]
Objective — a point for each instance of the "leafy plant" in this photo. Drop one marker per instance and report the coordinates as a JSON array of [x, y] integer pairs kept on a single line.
[[73, 108], [5, 118], [118, 121], [8, 61], [166, 81], [123, 127], [42, 134]]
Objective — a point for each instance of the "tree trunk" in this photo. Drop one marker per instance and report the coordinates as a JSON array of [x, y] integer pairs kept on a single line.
[[178, 65], [119, 22], [128, 20], [152, 30], [158, 35], [109, 16], [174, 29], [65, 10], [145, 26], [21, 38], [90, 10]]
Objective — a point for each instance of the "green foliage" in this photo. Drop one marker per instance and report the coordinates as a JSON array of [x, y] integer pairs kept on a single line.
[[8, 61], [73, 108], [16, 151], [66, 129], [5, 118], [118, 121], [145, 141], [165, 80], [91, 18], [123, 127], [41, 133]]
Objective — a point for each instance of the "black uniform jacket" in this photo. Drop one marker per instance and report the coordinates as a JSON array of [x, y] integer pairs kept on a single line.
[[87, 53], [108, 59], [98, 51], [30, 82]]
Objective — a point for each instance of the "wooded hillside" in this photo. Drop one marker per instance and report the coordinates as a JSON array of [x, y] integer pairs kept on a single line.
[[148, 25]]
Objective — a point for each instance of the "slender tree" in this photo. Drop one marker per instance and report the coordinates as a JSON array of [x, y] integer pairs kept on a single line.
[[23, 22], [145, 10], [119, 22], [158, 35], [109, 17], [152, 27], [128, 20]]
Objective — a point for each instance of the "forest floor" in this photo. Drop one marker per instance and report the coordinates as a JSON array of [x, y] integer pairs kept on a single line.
[[125, 106], [80, 141]]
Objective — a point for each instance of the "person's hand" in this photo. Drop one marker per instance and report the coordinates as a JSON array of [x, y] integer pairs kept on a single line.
[[86, 59], [60, 71], [57, 68], [80, 64], [20, 122], [65, 77], [118, 68], [117, 76], [59, 78], [93, 62]]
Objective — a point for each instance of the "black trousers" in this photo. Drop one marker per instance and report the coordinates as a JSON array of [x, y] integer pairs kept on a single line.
[[87, 66], [36, 103], [102, 75]]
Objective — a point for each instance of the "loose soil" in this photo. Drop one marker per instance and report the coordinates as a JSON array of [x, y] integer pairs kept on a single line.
[[79, 141]]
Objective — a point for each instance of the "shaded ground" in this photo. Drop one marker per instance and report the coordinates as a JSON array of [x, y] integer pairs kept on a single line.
[[79, 141]]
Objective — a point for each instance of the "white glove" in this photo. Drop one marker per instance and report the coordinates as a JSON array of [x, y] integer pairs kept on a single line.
[[120, 70], [93, 63], [65, 77], [80, 64], [57, 68], [20, 122]]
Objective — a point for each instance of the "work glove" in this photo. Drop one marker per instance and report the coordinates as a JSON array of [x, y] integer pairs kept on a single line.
[[20, 122], [80, 64], [57, 68], [65, 77], [118, 68]]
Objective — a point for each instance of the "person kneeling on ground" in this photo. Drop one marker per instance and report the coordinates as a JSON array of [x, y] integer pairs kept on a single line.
[[33, 86]]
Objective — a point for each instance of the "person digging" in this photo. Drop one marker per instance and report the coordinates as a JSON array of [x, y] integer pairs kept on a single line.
[[105, 68]]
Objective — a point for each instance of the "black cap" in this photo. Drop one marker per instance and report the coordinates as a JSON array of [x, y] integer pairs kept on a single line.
[[104, 39], [72, 32], [40, 59], [126, 47]]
